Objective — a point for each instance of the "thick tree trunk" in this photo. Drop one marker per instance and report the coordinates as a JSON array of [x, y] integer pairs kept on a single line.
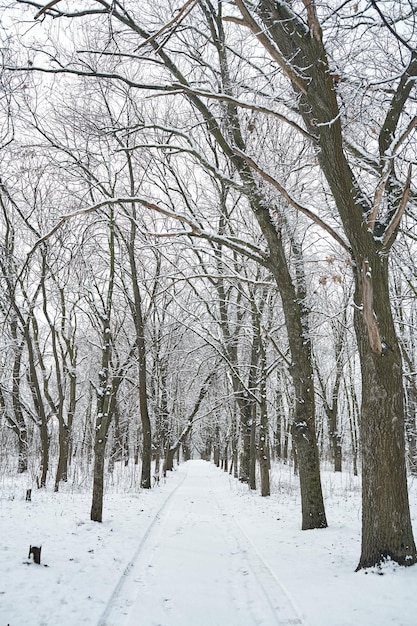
[[387, 531], [337, 451], [304, 438], [186, 450], [304, 418]]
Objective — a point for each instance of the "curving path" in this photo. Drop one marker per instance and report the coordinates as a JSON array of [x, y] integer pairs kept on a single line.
[[195, 566]]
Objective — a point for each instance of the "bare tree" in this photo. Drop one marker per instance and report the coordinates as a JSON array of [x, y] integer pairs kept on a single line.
[[296, 45]]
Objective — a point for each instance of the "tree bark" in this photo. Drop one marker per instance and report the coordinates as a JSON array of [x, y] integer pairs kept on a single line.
[[96, 514], [253, 455], [19, 427], [387, 530]]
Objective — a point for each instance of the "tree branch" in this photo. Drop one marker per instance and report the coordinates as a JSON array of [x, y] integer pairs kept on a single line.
[[223, 97], [262, 36], [177, 19], [293, 202], [400, 212], [46, 8]]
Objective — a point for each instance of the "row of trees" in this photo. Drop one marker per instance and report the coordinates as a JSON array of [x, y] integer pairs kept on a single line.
[[224, 182]]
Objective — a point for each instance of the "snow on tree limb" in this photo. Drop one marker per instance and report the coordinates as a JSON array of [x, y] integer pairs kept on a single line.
[[400, 212], [177, 19], [291, 200], [262, 36], [223, 97], [313, 20], [379, 193], [239, 245], [46, 8]]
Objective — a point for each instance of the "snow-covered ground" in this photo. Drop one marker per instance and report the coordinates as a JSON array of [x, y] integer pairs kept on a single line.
[[198, 550]]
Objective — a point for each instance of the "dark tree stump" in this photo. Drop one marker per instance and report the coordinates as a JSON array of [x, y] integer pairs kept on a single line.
[[28, 495], [36, 551]]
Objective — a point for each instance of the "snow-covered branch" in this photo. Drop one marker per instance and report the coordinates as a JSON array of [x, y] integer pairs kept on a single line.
[[400, 211], [242, 104], [270, 179]]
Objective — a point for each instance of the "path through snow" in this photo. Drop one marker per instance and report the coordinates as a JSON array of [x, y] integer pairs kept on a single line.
[[196, 565], [200, 550]]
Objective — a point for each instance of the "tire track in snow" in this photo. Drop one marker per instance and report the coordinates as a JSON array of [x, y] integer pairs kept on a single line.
[[193, 570], [247, 590], [126, 588], [283, 608]]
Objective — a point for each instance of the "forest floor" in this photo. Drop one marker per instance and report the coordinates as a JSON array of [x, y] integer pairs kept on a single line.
[[200, 549]]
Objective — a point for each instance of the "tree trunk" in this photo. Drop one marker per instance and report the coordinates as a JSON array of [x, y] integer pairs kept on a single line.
[[335, 437], [62, 469], [253, 455], [20, 427], [22, 443], [337, 452], [387, 530], [96, 514], [106, 390], [145, 481], [225, 462], [287, 433], [278, 447], [169, 459], [186, 450], [45, 452], [216, 455], [264, 455], [116, 453], [246, 417]]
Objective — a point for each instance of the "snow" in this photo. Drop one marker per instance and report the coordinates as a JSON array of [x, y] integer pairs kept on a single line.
[[200, 549]]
